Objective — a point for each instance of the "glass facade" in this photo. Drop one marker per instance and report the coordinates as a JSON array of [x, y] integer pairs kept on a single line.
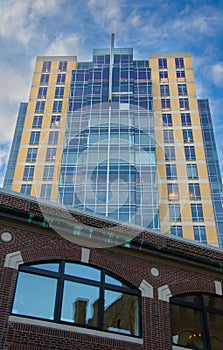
[[15, 147], [213, 167], [109, 161]]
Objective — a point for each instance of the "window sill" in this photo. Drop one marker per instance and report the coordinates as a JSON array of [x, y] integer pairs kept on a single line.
[[179, 348], [70, 328]]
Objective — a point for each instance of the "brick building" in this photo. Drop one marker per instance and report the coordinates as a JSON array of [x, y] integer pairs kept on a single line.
[[70, 280]]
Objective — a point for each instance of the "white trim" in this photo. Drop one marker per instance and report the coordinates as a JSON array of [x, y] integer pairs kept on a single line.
[[146, 289], [218, 287], [85, 253], [179, 348], [64, 327], [164, 293], [13, 260]]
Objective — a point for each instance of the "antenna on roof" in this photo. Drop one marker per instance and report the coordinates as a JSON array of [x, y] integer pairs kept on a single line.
[[110, 68]]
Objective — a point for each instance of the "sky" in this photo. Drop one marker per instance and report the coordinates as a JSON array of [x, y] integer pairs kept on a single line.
[[65, 27]]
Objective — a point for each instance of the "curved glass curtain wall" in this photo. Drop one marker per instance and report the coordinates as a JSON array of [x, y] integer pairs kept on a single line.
[[109, 164]]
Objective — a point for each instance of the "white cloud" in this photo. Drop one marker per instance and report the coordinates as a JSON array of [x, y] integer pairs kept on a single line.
[[69, 45], [107, 14], [217, 74], [19, 19]]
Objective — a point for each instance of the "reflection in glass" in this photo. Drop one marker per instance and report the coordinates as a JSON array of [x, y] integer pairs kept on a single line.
[[121, 313], [80, 303], [112, 280], [48, 267], [82, 271], [35, 296], [186, 327], [215, 330], [213, 301]]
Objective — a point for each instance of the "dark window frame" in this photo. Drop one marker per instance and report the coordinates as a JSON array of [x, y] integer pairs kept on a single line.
[[124, 287], [196, 301]]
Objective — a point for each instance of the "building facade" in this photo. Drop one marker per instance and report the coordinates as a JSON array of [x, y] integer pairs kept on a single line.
[[77, 284], [122, 138]]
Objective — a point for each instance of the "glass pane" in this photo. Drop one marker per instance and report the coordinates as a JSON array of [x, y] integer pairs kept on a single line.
[[215, 331], [213, 301], [80, 304], [35, 296], [190, 298], [186, 327], [83, 271], [111, 280], [48, 267], [121, 313]]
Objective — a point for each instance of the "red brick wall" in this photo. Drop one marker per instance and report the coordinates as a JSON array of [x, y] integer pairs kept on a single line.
[[37, 244]]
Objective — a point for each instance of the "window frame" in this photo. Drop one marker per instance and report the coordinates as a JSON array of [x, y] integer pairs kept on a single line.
[[37, 122], [197, 213], [28, 172], [196, 302], [122, 287]]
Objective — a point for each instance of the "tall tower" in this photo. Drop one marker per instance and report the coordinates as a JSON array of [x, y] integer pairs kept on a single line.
[[119, 137]]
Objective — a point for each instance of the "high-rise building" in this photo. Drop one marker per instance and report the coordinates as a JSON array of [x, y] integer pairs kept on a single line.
[[121, 137]]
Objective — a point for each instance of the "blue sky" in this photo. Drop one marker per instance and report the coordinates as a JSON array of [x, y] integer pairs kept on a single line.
[[66, 27]]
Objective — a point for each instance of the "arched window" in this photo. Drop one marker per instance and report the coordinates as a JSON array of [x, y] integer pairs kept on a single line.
[[197, 321], [73, 293]]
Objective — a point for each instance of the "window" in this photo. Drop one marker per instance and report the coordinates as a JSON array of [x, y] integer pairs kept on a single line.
[[179, 62], [59, 92], [78, 294], [63, 66], [192, 171], [173, 194], [57, 106], [188, 135], [51, 154], [182, 89], [200, 234], [201, 324], [61, 78], [28, 172], [165, 103], [34, 138], [55, 121], [189, 153], [175, 212], [194, 191], [40, 105], [53, 138], [197, 212], [46, 191], [169, 152], [180, 74], [185, 119], [167, 119], [171, 171], [48, 172], [163, 74], [162, 63], [184, 103], [44, 79], [37, 121], [42, 92], [168, 136], [176, 231], [164, 90], [46, 66], [26, 189], [31, 154]]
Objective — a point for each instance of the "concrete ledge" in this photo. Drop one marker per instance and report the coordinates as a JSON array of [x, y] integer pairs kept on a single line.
[[64, 327]]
